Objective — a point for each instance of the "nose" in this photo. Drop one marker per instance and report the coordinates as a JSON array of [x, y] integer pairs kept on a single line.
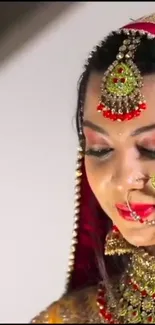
[[125, 181]]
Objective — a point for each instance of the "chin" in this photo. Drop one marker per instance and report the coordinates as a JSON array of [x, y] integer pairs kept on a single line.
[[144, 237]]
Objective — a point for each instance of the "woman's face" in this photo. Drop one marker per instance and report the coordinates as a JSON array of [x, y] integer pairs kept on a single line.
[[118, 153]]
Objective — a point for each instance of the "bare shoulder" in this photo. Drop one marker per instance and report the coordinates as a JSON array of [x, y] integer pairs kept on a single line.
[[75, 307]]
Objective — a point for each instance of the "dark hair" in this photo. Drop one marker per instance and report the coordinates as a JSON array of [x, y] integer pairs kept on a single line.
[[103, 56]]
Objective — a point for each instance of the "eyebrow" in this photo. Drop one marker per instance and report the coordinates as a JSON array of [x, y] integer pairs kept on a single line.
[[91, 125], [94, 127]]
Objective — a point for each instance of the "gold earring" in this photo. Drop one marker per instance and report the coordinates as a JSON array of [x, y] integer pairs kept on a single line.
[[115, 243]]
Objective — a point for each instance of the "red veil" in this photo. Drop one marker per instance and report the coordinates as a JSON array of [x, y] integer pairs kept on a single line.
[[89, 219]]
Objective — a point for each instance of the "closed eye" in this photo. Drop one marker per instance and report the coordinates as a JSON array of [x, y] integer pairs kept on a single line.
[[103, 152], [148, 153], [98, 152]]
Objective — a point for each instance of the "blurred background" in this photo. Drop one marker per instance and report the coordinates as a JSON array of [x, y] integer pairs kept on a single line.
[[43, 46]]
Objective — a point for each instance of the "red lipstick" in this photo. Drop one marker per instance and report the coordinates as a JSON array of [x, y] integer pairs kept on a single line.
[[143, 210]]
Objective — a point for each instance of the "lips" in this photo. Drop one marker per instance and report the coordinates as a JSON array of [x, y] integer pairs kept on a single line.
[[143, 210]]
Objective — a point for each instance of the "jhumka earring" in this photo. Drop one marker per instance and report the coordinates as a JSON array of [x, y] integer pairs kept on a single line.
[[115, 244], [121, 98]]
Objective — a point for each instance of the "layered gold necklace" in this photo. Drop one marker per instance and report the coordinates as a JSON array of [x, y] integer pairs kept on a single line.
[[134, 294]]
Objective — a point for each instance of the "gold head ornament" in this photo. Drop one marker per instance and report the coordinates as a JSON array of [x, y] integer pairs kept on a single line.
[[121, 98]]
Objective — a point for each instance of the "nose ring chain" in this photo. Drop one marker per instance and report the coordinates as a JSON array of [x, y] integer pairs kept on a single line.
[[133, 214]]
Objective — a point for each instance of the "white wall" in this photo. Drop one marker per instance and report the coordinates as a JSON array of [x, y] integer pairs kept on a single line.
[[37, 154]]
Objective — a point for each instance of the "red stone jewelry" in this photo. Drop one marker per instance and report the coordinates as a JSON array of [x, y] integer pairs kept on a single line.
[[102, 305]]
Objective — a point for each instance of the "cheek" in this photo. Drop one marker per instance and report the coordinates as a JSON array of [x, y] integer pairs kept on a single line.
[[99, 181], [91, 173], [97, 176]]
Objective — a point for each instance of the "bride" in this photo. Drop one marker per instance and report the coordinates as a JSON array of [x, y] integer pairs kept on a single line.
[[111, 276]]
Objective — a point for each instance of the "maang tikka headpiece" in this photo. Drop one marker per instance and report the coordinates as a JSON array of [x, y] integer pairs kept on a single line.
[[121, 97]]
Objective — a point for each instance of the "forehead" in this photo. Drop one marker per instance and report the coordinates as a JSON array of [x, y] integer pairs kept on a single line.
[[92, 99]]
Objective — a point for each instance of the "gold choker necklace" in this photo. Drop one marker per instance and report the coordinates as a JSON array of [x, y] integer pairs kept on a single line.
[[134, 294]]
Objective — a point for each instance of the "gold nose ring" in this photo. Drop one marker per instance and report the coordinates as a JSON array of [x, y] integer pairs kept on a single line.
[[152, 178], [133, 213]]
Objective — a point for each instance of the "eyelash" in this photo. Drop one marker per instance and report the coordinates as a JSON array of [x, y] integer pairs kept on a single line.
[[102, 153], [97, 153], [146, 152]]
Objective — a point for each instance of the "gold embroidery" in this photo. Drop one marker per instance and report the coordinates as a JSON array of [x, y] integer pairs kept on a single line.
[[147, 19], [80, 307], [42, 318], [48, 316]]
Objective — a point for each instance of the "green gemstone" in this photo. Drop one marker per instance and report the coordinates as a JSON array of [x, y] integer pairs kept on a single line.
[[121, 81]]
